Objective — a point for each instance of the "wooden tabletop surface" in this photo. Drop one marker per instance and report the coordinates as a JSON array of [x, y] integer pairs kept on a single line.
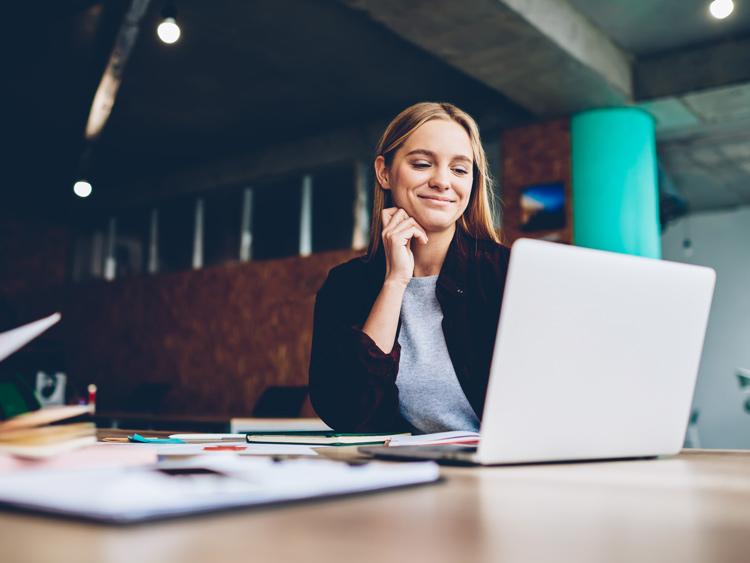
[[691, 508]]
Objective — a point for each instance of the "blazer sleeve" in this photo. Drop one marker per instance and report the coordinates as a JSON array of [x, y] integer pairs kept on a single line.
[[352, 381]]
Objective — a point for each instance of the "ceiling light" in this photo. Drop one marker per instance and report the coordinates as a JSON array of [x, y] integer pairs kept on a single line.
[[168, 30], [82, 188], [720, 9]]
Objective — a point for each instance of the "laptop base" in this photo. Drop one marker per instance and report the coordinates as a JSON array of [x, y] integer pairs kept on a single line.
[[445, 455], [466, 456]]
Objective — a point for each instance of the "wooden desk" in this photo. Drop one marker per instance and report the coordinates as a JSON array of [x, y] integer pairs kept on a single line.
[[692, 508]]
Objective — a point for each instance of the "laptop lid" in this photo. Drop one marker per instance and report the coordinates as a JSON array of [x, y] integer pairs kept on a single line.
[[596, 355]]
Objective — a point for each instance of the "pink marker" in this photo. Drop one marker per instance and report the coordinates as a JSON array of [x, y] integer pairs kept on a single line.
[[92, 396]]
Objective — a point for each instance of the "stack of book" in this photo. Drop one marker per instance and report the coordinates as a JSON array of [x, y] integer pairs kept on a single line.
[[39, 434]]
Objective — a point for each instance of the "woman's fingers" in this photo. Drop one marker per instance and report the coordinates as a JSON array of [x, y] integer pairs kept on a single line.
[[398, 231], [396, 217], [415, 228], [409, 233], [387, 214], [407, 229], [420, 234], [399, 218]]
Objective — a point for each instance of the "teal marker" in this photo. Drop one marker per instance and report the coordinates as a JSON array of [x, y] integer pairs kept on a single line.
[[141, 440]]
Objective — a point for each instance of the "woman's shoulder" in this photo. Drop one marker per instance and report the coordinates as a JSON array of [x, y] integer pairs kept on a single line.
[[487, 251], [354, 267], [350, 289], [486, 270], [493, 249], [352, 273]]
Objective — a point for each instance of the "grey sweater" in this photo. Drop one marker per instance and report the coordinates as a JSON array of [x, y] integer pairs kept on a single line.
[[430, 397]]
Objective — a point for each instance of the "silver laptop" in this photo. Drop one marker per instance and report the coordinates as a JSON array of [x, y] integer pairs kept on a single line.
[[596, 357]]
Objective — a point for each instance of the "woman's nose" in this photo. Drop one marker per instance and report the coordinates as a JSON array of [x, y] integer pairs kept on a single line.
[[440, 179]]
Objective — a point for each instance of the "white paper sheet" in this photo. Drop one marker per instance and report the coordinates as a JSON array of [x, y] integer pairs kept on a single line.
[[452, 437], [100, 454], [14, 339], [263, 425], [249, 449], [123, 495]]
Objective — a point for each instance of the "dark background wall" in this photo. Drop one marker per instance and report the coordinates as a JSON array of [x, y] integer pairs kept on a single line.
[[202, 343], [33, 255]]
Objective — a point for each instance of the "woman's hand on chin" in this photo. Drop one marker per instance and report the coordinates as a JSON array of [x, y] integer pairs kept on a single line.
[[398, 231]]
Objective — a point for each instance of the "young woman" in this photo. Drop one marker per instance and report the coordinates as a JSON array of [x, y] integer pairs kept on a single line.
[[403, 337]]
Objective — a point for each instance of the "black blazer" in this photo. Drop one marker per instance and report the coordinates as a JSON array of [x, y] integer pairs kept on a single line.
[[353, 382]]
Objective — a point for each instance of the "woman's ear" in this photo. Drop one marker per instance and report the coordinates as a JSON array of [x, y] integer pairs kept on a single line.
[[381, 172]]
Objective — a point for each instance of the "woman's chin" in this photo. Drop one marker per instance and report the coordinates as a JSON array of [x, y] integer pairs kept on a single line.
[[436, 225]]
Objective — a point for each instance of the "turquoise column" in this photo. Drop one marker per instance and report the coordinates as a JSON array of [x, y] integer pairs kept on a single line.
[[615, 191]]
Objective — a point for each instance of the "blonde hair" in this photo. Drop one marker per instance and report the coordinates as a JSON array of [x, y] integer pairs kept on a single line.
[[477, 220]]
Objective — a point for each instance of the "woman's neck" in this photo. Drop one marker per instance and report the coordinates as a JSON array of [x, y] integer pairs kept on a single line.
[[429, 258]]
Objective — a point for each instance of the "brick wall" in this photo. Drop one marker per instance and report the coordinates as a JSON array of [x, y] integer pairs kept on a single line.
[[213, 339], [535, 154], [33, 256]]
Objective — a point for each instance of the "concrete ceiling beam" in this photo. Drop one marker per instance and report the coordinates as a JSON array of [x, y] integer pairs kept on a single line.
[[694, 69], [542, 54], [104, 98], [279, 160]]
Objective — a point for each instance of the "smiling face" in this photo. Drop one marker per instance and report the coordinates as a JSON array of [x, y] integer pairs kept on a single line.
[[431, 174]]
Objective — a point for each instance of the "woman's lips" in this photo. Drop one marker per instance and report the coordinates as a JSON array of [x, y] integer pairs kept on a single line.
[[438, 201]]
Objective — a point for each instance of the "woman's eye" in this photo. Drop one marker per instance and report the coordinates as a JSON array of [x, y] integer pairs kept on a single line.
[[420, 164], [460, 171]]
